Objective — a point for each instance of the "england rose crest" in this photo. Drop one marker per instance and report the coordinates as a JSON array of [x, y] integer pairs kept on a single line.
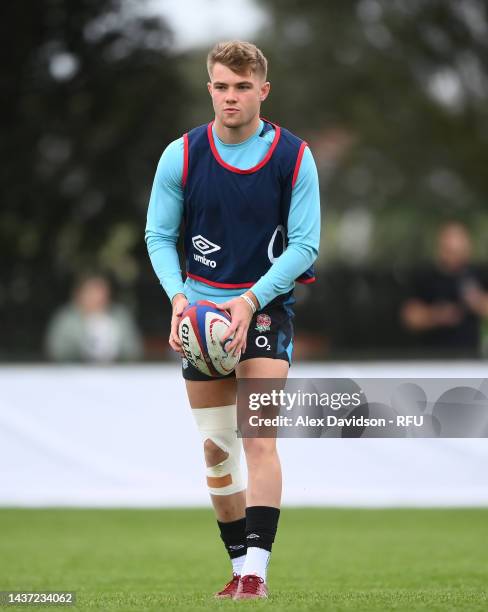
[[263, 323]]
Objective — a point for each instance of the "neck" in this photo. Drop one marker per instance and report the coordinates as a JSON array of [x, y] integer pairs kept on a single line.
[[235, 135]]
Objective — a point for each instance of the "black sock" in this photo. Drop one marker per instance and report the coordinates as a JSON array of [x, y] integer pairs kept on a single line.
[[261, 526], [233, 535]]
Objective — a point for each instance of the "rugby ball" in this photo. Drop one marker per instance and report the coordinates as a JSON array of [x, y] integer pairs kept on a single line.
[[201, 329]]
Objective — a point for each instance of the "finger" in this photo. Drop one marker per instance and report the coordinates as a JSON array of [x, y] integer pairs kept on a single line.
[[175, 331], [177, 344], [174, 346], [243, 344], [229, 347], [239, 347], [237, 341], [230, 331], [174, 336], [223, 306]]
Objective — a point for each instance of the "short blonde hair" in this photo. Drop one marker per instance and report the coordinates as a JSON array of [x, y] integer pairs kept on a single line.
[[238, 56]]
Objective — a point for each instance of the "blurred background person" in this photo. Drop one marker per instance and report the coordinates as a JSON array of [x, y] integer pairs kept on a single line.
[[92, 328], [449, 304]]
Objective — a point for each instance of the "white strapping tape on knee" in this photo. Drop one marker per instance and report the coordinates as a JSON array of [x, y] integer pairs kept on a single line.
[[219, 424]]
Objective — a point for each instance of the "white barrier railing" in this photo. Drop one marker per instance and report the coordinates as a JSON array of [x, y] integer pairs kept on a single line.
[[124, 436]]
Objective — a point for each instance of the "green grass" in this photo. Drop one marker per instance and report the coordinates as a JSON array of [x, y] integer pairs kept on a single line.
[[323, 559]]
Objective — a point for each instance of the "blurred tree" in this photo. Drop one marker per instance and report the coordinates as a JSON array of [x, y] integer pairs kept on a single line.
[[91, 95], [393, 95]]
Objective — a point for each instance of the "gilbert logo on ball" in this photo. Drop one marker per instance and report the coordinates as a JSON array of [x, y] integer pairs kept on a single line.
[[201, 329]]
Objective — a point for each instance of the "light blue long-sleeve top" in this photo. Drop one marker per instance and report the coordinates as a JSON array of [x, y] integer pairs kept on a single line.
[[165, 213]]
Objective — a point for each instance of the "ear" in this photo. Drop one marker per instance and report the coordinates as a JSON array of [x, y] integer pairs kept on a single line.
[[209, 87], [264, 91]]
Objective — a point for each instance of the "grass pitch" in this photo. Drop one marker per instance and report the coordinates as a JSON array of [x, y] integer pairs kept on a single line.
[[323, 559]]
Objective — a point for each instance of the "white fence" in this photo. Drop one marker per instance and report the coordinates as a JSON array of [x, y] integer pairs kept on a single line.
[[124, 436]]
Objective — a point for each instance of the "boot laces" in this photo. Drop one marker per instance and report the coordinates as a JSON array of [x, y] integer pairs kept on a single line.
[[250, 584]]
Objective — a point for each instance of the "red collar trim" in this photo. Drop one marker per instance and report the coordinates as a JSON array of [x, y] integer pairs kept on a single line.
[[262, 163]]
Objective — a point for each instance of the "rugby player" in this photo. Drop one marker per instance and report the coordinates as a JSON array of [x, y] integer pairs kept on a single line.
[[248, 193]]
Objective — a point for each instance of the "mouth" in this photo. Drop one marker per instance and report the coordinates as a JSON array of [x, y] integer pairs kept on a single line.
[[231, 110]]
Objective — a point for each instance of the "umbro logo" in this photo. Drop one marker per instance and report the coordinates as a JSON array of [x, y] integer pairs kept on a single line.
[[204, 245], [252, 536], [237, 547]]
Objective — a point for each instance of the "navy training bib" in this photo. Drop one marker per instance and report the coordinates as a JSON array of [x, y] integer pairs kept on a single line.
[[236, 220]]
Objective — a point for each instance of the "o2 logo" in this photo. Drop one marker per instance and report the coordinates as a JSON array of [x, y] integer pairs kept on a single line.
[[279, 230], [262, 342]]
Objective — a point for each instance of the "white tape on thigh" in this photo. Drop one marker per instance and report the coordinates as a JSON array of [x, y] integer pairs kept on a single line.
[[220, 425]]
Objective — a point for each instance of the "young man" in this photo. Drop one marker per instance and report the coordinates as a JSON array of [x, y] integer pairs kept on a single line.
[[249, 196]]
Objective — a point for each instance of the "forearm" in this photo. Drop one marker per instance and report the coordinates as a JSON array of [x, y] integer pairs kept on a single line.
[[281, 276], [417, 317], [164, 216], [165, 262]]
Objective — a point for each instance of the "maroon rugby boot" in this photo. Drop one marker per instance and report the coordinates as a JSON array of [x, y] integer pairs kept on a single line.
[[230, 588], [251, 587]]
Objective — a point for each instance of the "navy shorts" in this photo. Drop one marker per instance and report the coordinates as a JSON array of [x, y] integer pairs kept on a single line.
[[270, 335]]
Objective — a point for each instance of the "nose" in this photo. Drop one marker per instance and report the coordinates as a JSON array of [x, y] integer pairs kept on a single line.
[[230, 97]]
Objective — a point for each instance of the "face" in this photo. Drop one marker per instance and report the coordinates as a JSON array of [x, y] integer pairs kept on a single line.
[[93, 296], [236, 97], [454, 247]]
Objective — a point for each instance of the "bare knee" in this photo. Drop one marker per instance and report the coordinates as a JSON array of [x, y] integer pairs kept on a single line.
[[213, 453], [259, 448]]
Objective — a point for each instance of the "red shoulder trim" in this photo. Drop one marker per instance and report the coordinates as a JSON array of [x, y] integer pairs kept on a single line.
[[185, 160], [307, 281], [221, 285], [255, 168], [298, 163]]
